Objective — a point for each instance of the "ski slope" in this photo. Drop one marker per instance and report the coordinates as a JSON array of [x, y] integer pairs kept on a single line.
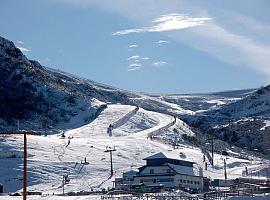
[[51, 157]]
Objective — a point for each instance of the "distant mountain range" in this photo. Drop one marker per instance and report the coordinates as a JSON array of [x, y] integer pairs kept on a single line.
[[34, 97], [244, 122]]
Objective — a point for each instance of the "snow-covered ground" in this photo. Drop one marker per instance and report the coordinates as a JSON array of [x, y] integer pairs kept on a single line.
[[50, 197], [50, 157]]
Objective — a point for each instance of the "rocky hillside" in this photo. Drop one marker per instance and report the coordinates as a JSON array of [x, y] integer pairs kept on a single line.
[[245, 122], [35, 97]]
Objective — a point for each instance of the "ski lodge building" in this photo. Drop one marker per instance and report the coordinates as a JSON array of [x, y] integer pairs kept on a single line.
[[161, 170]]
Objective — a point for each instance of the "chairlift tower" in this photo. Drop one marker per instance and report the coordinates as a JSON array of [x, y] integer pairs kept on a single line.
[[110, 150], [212, 150]]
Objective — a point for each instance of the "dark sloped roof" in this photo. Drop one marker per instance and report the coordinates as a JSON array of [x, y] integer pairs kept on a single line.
[[159, 155]]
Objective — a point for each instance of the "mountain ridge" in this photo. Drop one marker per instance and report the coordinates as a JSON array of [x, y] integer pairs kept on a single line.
[[43, 98]]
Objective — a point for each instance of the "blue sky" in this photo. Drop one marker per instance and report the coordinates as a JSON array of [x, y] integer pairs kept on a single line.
[[158, 46]]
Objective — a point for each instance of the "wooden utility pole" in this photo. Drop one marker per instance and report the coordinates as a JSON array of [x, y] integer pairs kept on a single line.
[[24, 157], [24, 166], [225, 169], [212, 150], [110, 150]]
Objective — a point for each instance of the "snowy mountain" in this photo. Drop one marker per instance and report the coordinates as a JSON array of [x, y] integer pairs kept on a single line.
[[45, 100], [244, 122], [39, 98]]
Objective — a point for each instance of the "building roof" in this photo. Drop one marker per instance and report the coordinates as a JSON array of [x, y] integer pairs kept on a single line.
[[182, 170], [162, 156], [130, 172], [159, 155], [176, 169]]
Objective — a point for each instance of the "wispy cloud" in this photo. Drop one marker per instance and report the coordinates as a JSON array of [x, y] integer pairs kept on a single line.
[[137, 62], [168, 22], [20, 45], [162, 42], [145, 58], [159, 63], [20, 42], [237, 36], [133, 57], [135, 66], [24, 49], [137, 57], [133, 46], [229, 47]]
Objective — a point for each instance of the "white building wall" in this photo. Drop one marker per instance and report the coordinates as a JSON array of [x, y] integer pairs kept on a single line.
[[157, 170], [187, 181], [167, 181], [177, 180]]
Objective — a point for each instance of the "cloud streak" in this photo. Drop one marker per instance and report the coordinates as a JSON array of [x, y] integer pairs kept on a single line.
[[159, 63], [24, 49], [162, 42], [168, 22], [135, 66], [235, 49], [20, 42], [137, 58], [236, 36], [133, 46]]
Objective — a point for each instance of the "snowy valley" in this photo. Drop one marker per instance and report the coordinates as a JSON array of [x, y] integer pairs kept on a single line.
[[51, 103]]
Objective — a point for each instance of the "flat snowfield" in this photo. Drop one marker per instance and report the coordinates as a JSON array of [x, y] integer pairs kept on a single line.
[[50, 157]]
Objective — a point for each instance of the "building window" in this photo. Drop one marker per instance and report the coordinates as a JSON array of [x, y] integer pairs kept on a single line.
[[151, 171], [184, 181], [187, 181], [191, 182], [166, 180], [181, 180], [168, 171]]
